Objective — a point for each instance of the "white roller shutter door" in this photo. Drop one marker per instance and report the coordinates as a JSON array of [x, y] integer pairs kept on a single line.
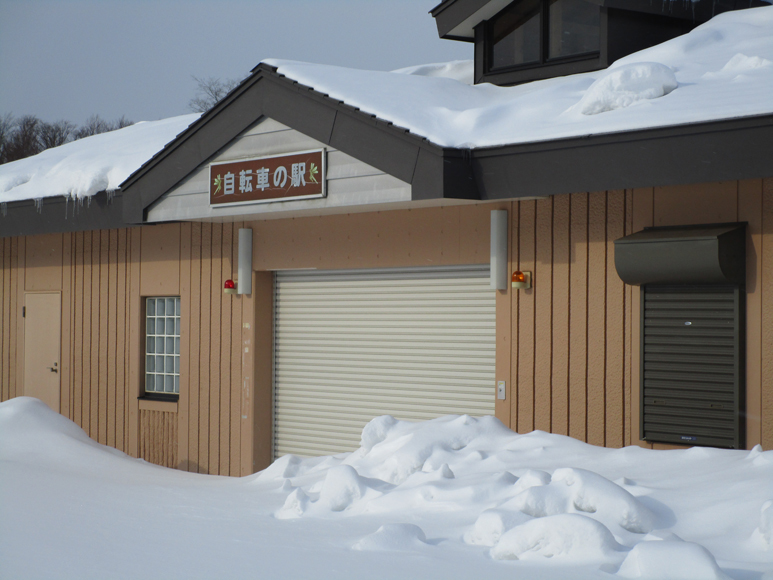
[[350, 345]]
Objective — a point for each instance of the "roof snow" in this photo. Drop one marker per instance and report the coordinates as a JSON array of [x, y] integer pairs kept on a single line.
[[721, 70], [82, 168]]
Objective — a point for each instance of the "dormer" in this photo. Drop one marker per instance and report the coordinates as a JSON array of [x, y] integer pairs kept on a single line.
[[527, 40]]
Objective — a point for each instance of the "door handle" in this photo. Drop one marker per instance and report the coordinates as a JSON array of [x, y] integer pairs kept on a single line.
[[54, 368]]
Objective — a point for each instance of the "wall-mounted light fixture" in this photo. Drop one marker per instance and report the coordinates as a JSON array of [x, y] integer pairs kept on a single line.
[[245, 261], [229, 287], [498, 249], [521, 280]]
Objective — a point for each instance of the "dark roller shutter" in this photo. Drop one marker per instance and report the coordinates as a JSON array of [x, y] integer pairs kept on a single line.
[[692, 373]]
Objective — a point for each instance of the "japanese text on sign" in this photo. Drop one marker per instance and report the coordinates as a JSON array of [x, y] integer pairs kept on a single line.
[[268, 179]]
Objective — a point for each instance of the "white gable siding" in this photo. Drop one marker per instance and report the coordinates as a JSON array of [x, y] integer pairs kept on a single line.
[[350, 183]]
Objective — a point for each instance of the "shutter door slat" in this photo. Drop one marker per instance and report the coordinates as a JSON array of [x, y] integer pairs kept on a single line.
[[691, 361], [416, 343]]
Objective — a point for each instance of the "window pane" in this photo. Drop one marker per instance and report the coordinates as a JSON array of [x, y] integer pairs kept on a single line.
[[574, 27], [515, 35], [162, 360]]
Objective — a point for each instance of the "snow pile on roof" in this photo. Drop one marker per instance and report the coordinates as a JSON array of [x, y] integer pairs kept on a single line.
[[459, 70], [82, 168], [456, 497], [721, 70]]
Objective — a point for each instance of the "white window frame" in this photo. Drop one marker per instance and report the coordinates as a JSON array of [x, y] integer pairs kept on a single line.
[[162, 346]]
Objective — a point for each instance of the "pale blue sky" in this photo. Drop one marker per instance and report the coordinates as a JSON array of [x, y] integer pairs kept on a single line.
[[69, 59]]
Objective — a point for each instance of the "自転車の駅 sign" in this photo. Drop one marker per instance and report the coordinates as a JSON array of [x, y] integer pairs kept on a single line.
[[275, 178]]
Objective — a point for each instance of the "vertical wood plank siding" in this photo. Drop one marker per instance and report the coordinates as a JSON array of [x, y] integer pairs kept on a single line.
[[569, 329], [569, 345], [158, 437]]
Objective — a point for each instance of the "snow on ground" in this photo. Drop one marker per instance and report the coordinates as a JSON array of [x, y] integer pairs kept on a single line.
[[722, 69], [81, 168], [456, 497]]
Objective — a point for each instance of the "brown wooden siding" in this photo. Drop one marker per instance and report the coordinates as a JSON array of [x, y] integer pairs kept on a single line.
[[568, 348], [11, 276], [158, 437], [210, 410]]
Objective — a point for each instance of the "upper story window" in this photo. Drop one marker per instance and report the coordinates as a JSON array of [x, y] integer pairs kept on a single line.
[[536, 31]]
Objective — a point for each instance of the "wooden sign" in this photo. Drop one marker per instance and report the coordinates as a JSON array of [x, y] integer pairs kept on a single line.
[[276, 178]]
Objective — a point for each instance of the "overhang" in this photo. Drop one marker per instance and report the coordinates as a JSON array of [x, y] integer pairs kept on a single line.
[[53, 215], [457, 19], [700, 254]]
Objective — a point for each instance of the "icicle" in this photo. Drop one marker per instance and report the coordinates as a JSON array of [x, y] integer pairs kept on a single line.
[[88, 201], [66, 204], [4, 209], [38, 204], [110, 195]]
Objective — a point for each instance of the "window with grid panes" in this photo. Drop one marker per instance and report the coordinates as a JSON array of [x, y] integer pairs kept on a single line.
[[162, 345]]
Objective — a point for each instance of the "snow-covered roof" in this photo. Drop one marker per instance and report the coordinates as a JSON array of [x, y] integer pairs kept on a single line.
[[721, 70], [82, 168]]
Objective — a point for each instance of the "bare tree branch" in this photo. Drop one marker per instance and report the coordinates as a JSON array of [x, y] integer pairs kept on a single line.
[[6, 127], [209, 91], [55, 134], [23, 141]]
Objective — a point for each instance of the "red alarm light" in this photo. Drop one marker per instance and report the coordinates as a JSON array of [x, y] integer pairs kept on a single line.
[[229, 287]]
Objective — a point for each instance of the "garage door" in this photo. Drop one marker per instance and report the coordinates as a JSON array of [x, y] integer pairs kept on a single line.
[[353, 345]]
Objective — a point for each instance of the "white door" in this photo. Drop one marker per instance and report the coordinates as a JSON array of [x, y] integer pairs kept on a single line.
[[42, 334], [352, 345]]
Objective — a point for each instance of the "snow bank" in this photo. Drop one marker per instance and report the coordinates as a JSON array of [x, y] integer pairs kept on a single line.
[[393, 537], [82, 168], [625, 85], [720, 70], [661, 560], [455, 497], [535, 497], [572, 537], [459, 70]]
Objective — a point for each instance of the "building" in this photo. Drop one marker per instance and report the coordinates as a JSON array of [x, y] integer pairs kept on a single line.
[[372, 223]]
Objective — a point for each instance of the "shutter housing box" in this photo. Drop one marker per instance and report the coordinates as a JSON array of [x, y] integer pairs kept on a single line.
[[692, 369], [705, 254]]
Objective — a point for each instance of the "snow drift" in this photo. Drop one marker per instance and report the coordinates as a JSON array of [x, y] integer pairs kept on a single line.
[[455, 497]]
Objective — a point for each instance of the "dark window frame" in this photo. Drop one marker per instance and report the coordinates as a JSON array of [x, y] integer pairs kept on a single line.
[[544, 45]]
